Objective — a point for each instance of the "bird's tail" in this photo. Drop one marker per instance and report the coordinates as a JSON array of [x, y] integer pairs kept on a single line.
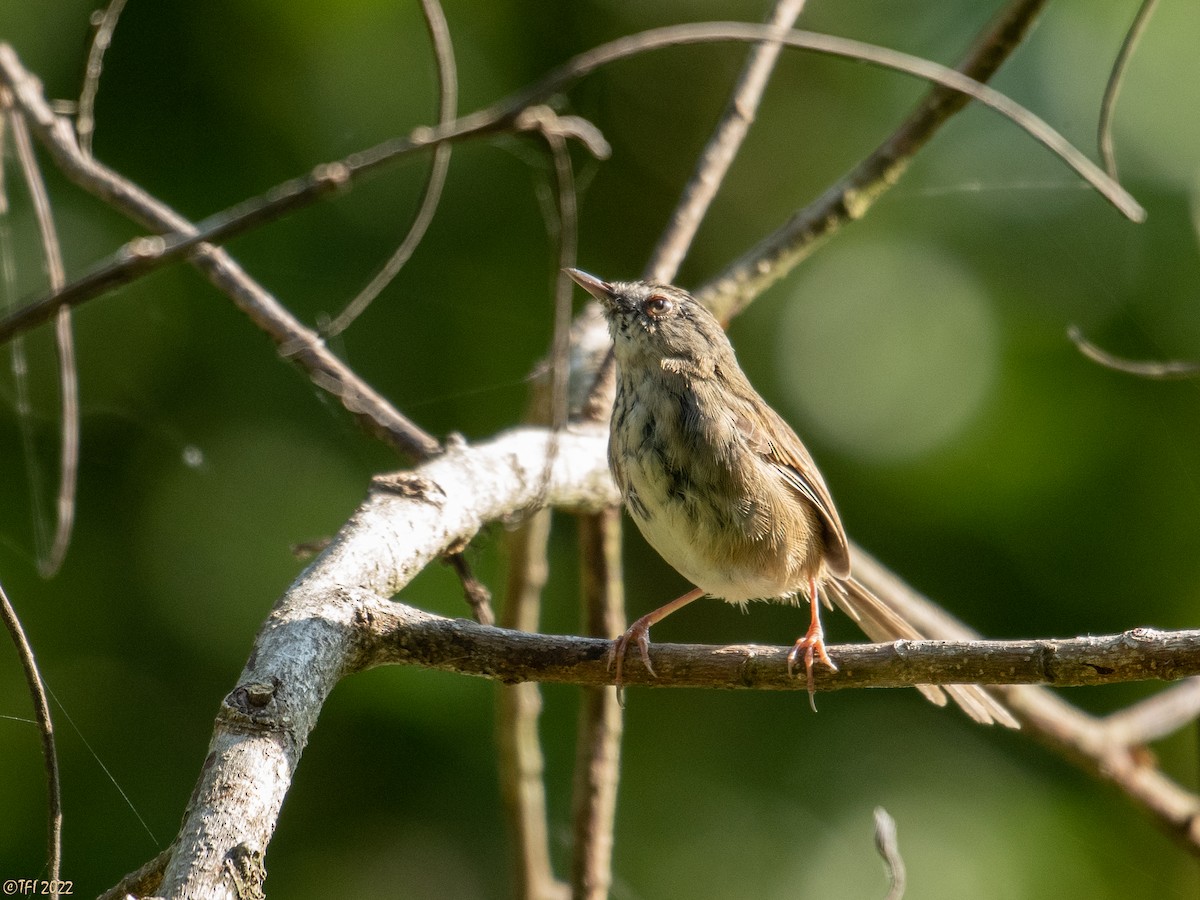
[[882, 624]]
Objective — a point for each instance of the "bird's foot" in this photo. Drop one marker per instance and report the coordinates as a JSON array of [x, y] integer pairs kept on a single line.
[[813, 646]]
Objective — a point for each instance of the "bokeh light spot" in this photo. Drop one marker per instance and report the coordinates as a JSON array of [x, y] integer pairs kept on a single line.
[[888, 355]]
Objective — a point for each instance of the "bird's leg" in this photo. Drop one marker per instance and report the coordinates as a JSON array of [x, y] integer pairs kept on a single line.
[[813, 643], [640, 631]]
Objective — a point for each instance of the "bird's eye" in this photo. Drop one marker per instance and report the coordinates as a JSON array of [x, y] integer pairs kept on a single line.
[[657, 305]]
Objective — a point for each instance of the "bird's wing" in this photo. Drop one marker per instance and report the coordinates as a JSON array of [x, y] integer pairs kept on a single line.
[[775, 441]]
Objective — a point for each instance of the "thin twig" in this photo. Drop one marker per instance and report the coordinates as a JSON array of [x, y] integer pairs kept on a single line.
[[721, 149], [546, 122], [50, 558], [598, 746], [295, 341], [301, 192], [443, 51], [518, 709], [707, 177], [85, 119], [1155, 717], [1115, 79], [1149, 368], [41, 708], [476, 593], [853, 195], [888, 845]]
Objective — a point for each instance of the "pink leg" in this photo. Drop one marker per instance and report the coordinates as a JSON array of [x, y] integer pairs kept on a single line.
[[813, 643], [640, 631]]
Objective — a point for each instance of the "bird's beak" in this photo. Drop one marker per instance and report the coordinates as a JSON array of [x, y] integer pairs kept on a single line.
[[601, 290]]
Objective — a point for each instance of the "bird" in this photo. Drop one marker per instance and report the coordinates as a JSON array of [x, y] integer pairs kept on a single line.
[[723, 489]]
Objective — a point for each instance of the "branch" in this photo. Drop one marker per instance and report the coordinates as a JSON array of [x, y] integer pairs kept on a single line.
[[431, 194], [295, 341], [722, 148], [321, 629], [853, 195], [51, 554], [337, 619], [41, 708], [1143, 368], [501, 116], [457, 645]]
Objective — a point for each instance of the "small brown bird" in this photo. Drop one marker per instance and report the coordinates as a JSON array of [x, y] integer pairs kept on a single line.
[[720, 485]]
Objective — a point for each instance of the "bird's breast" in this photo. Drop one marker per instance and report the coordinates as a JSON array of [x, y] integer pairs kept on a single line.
[[710, 506]]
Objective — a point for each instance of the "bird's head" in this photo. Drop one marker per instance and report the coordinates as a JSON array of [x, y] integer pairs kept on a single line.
[[654, 322]]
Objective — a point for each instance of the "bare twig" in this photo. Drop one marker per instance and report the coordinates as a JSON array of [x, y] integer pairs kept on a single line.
[[721, 149], [295, 341], [50, 558], [518, 708], [41, 708], [598, 748], [105, 23], [443, 51], [478, 597], [1154, 369], [553, 398], [1115, 80], [955, 81], [546, 122], [853, 195], [888, 845], [302, 192], [1155, 717]]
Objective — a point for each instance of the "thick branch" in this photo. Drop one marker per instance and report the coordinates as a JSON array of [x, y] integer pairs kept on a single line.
[[322, 629], [337, 619]]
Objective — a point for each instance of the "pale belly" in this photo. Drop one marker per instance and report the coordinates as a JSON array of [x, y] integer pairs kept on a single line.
[[723, 543], [687, 553]]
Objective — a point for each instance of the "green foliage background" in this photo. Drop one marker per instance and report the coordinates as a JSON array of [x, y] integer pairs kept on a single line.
[[922, 354]]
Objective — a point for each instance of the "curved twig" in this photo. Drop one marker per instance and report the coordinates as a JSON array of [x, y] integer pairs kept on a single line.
[[85, 118], [295, 341], [721, 149], [302, 192], [51, 556], [41, 709], [1147, 368], [431, 194], [1115, 79]]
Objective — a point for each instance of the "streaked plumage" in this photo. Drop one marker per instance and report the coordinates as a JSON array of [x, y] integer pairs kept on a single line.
[[720, 485]]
